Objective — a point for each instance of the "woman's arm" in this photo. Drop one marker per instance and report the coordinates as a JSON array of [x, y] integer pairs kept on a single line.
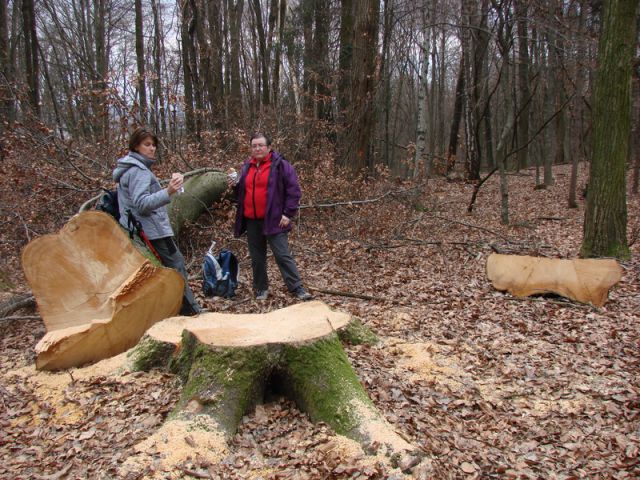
[[140, 186]]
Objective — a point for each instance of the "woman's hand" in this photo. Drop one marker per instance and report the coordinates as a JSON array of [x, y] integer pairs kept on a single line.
[[175, 184], [284, 221], [232, 178]]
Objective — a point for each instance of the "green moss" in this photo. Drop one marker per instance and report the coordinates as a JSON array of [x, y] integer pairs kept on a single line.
[[225, 382], [150, 353], [619, 251], [321, 380], [355, 333]]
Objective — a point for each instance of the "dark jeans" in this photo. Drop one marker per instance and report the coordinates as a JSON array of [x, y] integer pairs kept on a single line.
[[172, 257], [279, 245]]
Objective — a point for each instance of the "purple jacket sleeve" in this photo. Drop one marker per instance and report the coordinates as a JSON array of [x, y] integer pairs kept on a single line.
[[292, 193]]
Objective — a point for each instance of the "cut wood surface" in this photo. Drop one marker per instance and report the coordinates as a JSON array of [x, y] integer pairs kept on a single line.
[[228, 362], [583, 280], [96, 293], [298, 323]]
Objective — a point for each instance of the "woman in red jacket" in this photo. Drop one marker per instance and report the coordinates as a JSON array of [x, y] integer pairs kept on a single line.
[[268, 197]]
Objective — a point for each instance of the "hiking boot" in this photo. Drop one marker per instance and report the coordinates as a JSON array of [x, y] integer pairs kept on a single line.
[[301, 294], [262, 294]]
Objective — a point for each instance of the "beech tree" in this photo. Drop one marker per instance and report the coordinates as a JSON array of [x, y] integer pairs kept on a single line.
[[605, 223]]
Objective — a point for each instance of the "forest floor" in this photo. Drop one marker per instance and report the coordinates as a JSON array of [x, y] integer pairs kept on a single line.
[[490, 386]]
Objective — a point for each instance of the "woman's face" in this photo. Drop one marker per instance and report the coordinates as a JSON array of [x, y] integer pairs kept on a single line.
[[259, 148], [147, 148]]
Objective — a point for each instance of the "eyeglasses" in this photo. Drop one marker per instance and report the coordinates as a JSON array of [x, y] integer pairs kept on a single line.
[[258, 145]]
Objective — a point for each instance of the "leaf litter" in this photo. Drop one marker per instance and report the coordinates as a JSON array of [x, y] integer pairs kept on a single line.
[[486, 384]]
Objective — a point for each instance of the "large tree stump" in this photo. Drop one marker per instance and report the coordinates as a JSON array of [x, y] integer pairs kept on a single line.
[[586, 281], [229, 362], [96, 293]]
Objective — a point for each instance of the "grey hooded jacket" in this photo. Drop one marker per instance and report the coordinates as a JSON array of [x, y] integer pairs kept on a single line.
[[139, 191]]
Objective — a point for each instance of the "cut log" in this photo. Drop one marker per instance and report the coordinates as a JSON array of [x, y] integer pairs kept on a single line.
[[586, 281], [96, 293], [228, 362], [200, 191]]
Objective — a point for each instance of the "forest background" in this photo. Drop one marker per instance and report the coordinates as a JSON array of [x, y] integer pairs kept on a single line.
[[400, 116]]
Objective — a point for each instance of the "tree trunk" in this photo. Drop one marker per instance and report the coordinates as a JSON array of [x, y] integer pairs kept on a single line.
[[200, 191], [7, 108], [345, 80], [322, 21], [32, 66], [454, 133], [228, 362], [216, 36], [635, 144], [101, 105], [470, 53], [422, 107], [235, 10], [578, 104], [605, 224], [524, 98], [189, 115], [505, 142], [160, 121], [282, 10], [263, 53], [140, 60]]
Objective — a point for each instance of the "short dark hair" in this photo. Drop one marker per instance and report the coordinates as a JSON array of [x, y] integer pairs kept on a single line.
[[260, 135], [138, 136]]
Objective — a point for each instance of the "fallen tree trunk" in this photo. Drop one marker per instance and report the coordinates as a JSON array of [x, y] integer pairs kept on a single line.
[[587, 281], [229, 362], [96, 293], [200, 192]]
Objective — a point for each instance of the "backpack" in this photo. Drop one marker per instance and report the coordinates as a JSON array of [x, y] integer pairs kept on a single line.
[[220, 274], [108, 203]]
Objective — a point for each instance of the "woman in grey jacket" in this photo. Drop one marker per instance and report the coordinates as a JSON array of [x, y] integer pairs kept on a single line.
[[140, 192]]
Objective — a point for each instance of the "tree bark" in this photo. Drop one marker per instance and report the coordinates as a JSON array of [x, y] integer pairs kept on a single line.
[[236, 7], [454, 132], [7, 107], [200, 191], [605, 224], [422, 107], [140, 60], [524, 98], [159, 111], [32, 65], [189, 114]]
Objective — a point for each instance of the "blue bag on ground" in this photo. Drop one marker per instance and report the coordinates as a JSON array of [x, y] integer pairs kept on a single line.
[[220, 274]]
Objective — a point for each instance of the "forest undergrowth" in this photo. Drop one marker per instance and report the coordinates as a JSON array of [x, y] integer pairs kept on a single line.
[[489, 386]]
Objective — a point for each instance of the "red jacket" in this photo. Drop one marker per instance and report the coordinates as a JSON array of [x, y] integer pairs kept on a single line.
[[283, 196], [255, 199]]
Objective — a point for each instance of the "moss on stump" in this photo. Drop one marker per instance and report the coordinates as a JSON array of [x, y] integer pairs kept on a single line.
[[228, 362]]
